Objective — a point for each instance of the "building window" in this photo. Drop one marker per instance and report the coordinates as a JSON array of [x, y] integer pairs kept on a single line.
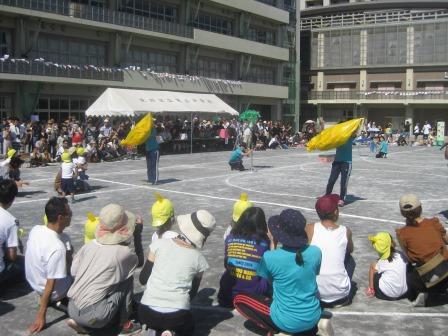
[[214, 68], [5, 106], [64, 51], [213, 23], [341, 48], [261, 74], [261, 35], [60, 108], [155, 60], [152, 9], [431, 43], [5, 42], [94, 3], [386, 46]]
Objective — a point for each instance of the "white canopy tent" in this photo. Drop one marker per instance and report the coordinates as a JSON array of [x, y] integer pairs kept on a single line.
[[124, 102]]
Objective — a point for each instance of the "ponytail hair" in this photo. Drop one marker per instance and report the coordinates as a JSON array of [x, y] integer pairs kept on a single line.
[[299, 258]]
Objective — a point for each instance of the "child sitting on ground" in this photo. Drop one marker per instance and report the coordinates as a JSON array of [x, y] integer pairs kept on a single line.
[[384, 148], [67, 175], [162, 218], [238, 209], [387, 276]]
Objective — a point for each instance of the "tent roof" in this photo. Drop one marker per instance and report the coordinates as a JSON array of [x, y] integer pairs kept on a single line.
[[124, 102]]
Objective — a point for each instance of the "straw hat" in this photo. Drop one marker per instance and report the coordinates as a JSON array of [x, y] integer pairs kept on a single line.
[[115, 225]]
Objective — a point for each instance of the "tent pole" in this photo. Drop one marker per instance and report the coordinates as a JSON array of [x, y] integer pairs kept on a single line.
[[191, 134]]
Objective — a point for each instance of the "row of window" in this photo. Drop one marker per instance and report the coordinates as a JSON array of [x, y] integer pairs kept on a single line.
[[213, 23], [157, 61], [261, 35], [152, 9], [384, 45], [213, 68]]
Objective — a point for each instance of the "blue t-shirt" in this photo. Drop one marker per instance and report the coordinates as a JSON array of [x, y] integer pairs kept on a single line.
[[236, 155], [152, 144], [384, 146], [295, 307], [344, 152]]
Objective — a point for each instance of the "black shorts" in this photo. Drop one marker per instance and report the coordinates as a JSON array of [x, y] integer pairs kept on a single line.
[[425, 136], [68, 185]]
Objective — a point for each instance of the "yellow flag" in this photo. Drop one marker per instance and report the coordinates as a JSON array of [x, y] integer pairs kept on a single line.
[[334, 136], [140, 133]]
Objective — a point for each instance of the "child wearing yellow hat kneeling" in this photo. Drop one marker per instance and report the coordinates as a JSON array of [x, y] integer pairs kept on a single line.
[[387, 276], [162, 212]]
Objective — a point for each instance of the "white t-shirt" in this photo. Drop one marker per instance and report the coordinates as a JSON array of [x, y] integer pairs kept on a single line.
[[426, 128], [8, 234], [333, 281], [67, 170], [166, 235], [45, 258], [174, 270], [393, 276]]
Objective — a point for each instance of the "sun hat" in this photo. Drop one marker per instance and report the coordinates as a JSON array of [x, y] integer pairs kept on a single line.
[[240, 206], [11, 152], [161, 210], [66, 157], [327, 204], [288, 228], [115, 225], [72, 150], [382, 243], [409, 202], [197, 226], [80, 151]]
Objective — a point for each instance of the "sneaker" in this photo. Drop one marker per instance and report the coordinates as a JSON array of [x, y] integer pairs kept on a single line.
[[420, 301], [325, 327], [130, 328], [341, 203], [76, 327]]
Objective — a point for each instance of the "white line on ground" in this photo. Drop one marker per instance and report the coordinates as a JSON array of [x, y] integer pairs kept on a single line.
[[252, 200]]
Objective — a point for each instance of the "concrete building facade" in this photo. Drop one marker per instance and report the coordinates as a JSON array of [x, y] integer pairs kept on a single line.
[[66, 52], [383, 60]]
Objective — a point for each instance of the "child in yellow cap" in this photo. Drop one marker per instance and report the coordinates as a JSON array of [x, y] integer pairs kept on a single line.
[[387, 276], [238, 208], [163, 219]]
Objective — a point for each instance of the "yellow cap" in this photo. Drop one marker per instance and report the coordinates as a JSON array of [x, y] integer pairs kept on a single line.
[[11, 152], [161, 210], [80, 151], [45, 220], [240, 206], [382, 243], [90, 227], [66, 157]]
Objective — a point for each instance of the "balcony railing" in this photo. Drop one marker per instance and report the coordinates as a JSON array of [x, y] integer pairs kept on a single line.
[[93, 13], [374, 95], [45, 69]]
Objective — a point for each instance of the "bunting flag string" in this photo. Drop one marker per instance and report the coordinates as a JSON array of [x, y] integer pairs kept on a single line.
[[145, 73]]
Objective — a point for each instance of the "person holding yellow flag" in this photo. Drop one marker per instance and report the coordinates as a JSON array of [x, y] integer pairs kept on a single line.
[[152, 157], [342, 165]]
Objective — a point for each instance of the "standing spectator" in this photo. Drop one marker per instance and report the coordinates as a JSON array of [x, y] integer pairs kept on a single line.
[[426, 130], [152, 157], [91, 133], [172, 275], [244, 247], [48, 257], [292, 269], [342, 165], [12, 268], [7, 137], [416, 130], [423, 240], [335, 242], [15, 134], [103, 272], [106, 129], [52, 136]]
